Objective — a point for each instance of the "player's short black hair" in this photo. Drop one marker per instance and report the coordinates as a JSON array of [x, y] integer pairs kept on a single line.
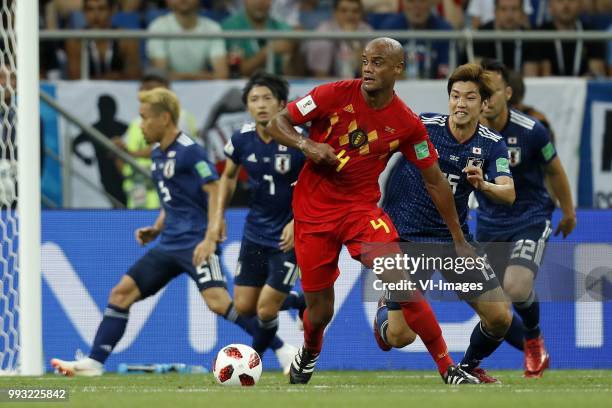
[[276, 84], [518, 87], [110, 3], [337, 3], [157, 75], [496, 66], [520, 3], [472, 72]]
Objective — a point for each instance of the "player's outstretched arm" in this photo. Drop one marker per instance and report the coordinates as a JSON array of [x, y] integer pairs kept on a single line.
[[145, 235], [502, 191], [227, 187], [208, 245], [561, 188], [442, 196], [280, 128]]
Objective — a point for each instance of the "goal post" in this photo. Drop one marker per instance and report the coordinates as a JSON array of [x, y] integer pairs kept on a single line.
[[30, 354]]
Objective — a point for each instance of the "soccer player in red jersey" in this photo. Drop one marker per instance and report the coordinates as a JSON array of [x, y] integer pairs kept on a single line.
[[356, 125]]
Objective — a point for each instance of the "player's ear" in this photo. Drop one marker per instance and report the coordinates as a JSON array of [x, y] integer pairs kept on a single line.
[[484, 104], [167, 117], [508, 93], [399, 68]]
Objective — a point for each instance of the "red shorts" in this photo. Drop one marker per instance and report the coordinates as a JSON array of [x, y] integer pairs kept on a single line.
[[318, 245]]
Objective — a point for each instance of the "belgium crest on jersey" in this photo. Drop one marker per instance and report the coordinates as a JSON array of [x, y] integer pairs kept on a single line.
[[282, 163], [357, 138]]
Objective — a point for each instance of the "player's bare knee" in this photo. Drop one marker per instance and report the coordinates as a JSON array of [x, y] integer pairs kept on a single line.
[[320, 315], [217, 307], [244, 307], [517, 291], [498, 321], [267, 310], [400, 338], [267, 313], [518, 283], [123, 295], [217, 300]]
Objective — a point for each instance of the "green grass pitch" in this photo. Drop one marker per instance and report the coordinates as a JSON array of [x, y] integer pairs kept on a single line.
[[422, 389]]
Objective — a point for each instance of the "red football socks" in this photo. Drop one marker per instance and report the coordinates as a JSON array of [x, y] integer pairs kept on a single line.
[[313, 336], [422, 320]]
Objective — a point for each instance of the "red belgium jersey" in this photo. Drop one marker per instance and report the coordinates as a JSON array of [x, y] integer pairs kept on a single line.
[[363, 139]]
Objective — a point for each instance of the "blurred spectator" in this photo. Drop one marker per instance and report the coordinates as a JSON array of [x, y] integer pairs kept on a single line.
[[540, 13], [424, 59], [565, 58], [131, 5], [287, 11], [47, 14], [381, 6], [597, 13], [341, 59], [481, 12], [248, 55], [187, 59], [452, 11], [508, 16], [140, 190], [108, 59], [51, 54], [610, 54], [58, 12]]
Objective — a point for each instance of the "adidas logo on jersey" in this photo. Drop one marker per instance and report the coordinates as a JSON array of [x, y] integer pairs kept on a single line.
[[252, 158]]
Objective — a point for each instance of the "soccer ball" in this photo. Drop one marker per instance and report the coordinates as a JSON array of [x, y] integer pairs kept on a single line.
[[237, 364]]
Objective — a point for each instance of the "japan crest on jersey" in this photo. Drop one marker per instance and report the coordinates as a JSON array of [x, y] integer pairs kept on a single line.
[[169, 168], [475, 161], [282, 163], [515, 155]]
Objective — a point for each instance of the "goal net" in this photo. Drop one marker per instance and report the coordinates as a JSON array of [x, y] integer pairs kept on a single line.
[[20, 285], [9, 299]]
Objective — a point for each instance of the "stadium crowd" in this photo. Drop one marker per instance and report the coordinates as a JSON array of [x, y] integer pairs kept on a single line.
[[219, 59]]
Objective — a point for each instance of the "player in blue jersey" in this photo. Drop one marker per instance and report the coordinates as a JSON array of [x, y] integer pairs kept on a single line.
[[267, 268], [187, 185], [473, 158], [526, 226]]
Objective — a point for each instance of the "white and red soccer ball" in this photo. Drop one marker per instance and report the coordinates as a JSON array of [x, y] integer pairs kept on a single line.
[[237, 364]]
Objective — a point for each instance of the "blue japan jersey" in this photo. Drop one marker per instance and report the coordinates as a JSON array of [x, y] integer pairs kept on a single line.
[[530, 149], [272, 168], [179, 173], [406, 199]]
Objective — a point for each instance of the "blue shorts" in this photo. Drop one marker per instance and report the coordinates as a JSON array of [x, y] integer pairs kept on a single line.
[[157, 267], [525, 247], [259, 265]]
